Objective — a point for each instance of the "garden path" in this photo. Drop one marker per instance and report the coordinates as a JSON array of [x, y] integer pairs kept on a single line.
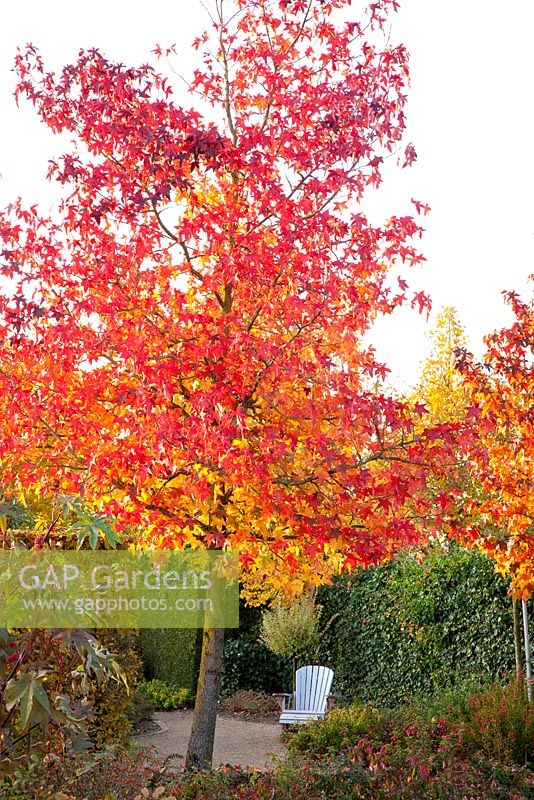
[[239, 740]]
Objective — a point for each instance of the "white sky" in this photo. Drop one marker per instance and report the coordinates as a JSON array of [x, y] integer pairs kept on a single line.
[[470, 118]]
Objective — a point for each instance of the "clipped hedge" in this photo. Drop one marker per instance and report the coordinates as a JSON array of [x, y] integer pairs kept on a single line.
[[408, 627], [171, 655]]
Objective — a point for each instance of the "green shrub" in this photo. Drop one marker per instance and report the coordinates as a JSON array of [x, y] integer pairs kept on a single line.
[[141, 708], [341, 728], [292, 631], [111, 700], [408, 627], [20, 784], [450, 701], [165, 697]]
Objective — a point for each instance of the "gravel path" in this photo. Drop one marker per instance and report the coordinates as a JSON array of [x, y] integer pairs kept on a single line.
[[241, 741]]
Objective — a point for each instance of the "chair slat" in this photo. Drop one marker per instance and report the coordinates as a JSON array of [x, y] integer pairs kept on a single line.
[[312, 687]]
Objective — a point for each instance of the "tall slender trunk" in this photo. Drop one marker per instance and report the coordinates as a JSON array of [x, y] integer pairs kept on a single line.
[[200, 747], [519, 665], [526, 640]]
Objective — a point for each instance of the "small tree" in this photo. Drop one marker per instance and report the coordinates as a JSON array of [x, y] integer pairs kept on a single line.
[[458, 392], [292, 631], [441, 387], [181, 343], [501, 447]]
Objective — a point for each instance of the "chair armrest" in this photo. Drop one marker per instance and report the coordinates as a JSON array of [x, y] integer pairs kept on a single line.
[[283, 698]]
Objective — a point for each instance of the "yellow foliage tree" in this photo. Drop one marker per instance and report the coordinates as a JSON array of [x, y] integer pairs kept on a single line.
[[441, 388]]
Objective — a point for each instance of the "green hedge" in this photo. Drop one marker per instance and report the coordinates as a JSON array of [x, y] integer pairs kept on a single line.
[[171, 655], [250, 665], [408, 627], [247, 663]]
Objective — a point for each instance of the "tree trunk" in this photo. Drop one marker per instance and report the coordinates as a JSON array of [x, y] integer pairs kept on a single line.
[[526, 640], [519, 666], [200, 747]]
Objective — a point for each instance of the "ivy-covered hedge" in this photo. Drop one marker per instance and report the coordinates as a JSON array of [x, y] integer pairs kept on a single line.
[[408, 627], [171, 655], [247, 663], [250, 665]]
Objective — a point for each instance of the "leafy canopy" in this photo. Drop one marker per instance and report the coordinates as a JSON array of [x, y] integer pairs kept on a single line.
[[182, 340], [500, 456]]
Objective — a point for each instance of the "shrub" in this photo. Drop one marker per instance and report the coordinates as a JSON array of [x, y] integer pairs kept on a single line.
[[141, 709], [123, 776], [165, 697], [341, 728], [292, 631], [357, 752], [19, 785], [409, 765], [470, 751], [496, 723], [112, 701], [52, 692], [110, 774], [451, 701], [499, 722], [350, 777]]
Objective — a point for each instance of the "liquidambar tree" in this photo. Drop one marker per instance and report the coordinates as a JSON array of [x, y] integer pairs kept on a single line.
[[500, 454], [182, 340]]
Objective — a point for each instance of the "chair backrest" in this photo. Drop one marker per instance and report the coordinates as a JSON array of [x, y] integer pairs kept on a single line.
[[312, 688]]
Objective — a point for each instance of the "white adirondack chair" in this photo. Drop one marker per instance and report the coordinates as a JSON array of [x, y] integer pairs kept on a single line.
[[311, 696]]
